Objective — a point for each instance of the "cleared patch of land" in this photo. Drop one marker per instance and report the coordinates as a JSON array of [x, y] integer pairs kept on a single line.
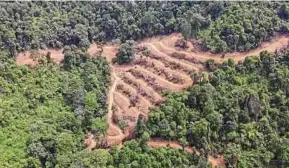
[[137, 87]]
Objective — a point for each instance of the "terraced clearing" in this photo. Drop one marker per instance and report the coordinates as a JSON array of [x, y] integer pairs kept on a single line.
[[137, 87]]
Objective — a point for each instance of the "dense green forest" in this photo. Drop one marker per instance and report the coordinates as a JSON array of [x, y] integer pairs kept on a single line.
[[220, 26], [55, 24], [132, 155], [239, 110], [46, 111], [242, 27]]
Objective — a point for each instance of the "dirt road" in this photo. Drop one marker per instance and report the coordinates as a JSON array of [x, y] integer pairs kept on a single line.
[[138, 86], [159, 143], [113, 139]]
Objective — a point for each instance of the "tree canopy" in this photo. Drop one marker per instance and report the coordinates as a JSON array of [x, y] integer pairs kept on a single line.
[[220, 26], [45, 110], [126, 52], [241, 111]]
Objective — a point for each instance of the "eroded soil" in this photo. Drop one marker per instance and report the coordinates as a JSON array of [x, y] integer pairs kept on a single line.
[[137, 87]]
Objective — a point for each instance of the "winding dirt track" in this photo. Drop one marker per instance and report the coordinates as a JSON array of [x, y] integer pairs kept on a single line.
[[160, 143], [166, 45], [114, 139], [138, 87]]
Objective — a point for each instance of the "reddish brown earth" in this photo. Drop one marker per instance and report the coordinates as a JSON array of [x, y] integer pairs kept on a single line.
[[137, 87], [25, 59], [89, 141], [165, 44], [159, 143]]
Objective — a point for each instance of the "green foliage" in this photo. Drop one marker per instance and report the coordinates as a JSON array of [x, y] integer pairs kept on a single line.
[[45, 110], [126, 52], [244, 26], [193, 22], [97, 158], [99, 124], [134, 155], [221, 26], [186, 29], [146, 52], [283, 11], [145, 137], [241, 112], [122, 124], [31, 25]]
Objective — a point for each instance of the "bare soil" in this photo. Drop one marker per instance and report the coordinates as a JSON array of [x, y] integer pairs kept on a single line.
[[24, 58], [89, 141], [150, 81], [166, 45]]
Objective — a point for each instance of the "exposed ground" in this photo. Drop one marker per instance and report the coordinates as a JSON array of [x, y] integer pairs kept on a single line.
[[160, 143], [24, 58], [137, 87]]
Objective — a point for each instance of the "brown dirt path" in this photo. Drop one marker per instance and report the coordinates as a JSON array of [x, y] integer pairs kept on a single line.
[[142, 99], [153, 48], [168, 70], [142, 84], [170, 85], [162, 48], [167, 43], [112, 127], [24, 59], [160, 143], [89, 141]]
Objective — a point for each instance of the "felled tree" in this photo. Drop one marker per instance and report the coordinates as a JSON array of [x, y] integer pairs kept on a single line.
[[181, 43], [126, 52]]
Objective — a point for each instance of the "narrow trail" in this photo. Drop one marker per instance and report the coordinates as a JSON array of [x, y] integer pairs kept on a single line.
[[165, 50], [204, 57], [160, 143], [111, 124], [143, 84], [134, 90], [168, 70], [146, 85], [164, 82], [161, 48], [187, 64], [123, 103], [167, 43]]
